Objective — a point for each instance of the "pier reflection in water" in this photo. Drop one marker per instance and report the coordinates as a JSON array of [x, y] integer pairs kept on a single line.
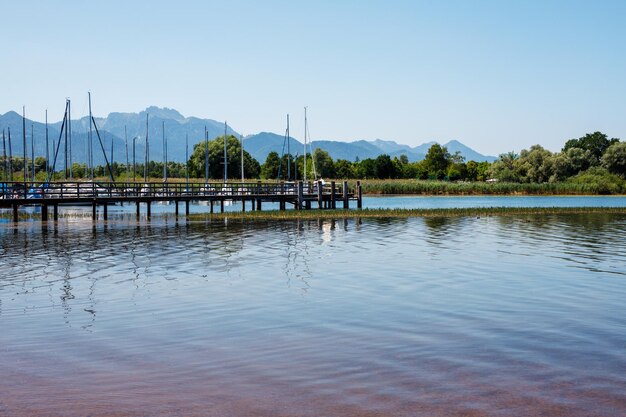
[[436, 316]]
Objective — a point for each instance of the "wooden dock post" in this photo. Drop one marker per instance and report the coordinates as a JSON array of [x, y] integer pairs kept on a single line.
[[148, 210], [221, 205], [332, 195], [105, 211], [346, 203], [176, 208], [211, 204], [138, 210], [94, 213], [15, 213], [258, 204], [186, 208], [44, 212], [55, 212], [243, 204], [300, 195], [319, 195], [359, 190]]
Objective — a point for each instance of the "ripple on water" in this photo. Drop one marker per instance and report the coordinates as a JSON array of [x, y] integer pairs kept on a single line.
[[425, 316]]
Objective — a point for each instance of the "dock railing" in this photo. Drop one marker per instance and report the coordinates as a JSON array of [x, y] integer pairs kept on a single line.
[[76, 190]]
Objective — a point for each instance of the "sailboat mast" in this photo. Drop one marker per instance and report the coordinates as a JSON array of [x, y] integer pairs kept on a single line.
[[134, 162], [305, 122], [67, 104], [225, 154], [145, 154], [112, 141], [127, 162], [288, 152], [242, 174], [164, 152], [24, 137], [207, 165], [104, 153], [69, 128], [10, 155], [47, 147], [90, 141], [32, 150], [4, 154]]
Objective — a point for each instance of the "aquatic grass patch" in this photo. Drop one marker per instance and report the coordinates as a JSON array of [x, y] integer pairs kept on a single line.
[[404, 213]]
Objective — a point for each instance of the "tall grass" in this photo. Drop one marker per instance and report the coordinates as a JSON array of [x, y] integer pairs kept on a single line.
[[276, 215], [582, 186]]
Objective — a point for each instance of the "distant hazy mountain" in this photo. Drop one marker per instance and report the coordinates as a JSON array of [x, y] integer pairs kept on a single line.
[[161, 122], [169, 122], [56, 143], [469, 154], [263, 143]]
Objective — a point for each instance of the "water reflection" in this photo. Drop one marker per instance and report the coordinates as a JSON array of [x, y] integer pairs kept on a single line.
[[398, 315]]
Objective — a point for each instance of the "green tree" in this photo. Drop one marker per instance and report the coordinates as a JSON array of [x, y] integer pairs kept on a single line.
[[366, 168], [614, 159], [270, 168], [436, 161], [472, 170], [596, 143], [344, 169], [535, 164], [216, 160], [324, 164], [384, 167]]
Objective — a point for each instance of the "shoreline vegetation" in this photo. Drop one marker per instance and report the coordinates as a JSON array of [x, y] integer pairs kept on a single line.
[[340, 214], [435, 187], [404, 213], [589, 165]]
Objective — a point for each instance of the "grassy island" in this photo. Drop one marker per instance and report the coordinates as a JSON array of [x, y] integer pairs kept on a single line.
[[404, 213]]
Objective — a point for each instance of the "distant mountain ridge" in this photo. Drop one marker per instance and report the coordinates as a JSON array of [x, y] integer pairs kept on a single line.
[[261, 144], [169, 122]]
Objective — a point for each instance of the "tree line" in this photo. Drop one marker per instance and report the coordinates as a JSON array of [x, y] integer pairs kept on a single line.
[[591, 157]]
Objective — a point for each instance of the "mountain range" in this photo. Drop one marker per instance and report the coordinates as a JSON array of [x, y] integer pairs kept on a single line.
[[176, 128], [261, 144]]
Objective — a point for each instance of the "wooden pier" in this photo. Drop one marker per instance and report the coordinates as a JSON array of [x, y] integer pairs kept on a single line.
[[298, 195]]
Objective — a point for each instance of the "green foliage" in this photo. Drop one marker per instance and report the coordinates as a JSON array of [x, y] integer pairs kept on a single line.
[[324, 164], [344, 169], [197, 160], [586, 185], [599, 181], [384, 167], [596, 143], [436, 161], [614, 159], [269, 169]]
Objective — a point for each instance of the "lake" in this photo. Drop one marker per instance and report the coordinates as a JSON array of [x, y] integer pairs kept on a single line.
[[498, 316]]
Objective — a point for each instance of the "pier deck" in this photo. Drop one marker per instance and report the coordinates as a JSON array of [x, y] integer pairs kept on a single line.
[[299, 195]]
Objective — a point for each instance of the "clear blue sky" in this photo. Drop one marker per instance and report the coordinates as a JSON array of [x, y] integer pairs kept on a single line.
[[496, 75]]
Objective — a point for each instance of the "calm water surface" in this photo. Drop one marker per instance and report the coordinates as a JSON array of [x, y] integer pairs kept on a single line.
[[495, 316]]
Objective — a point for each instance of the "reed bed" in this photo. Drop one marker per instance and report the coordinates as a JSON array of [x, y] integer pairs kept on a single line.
[[276, 215], [430, 187]]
